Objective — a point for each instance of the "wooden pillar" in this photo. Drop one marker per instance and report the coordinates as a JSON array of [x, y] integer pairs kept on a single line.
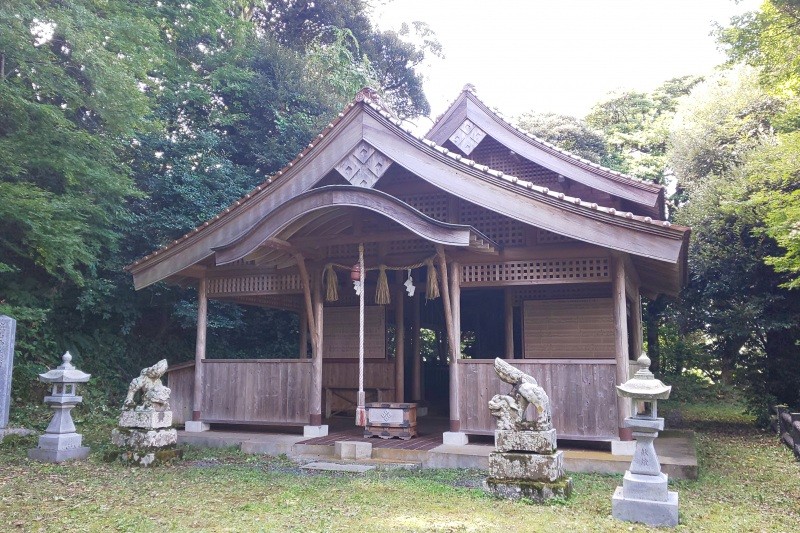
[[400, 345], [452, 338], [621, 342], [303, 350], [200, 348], [636, 316], [416, 350], [509, 321], [315, 403]]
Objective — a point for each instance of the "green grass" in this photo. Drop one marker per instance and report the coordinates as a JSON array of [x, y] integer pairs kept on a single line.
[[748, 482]]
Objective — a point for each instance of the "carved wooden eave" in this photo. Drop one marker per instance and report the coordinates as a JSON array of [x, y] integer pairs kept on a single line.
[[650, 242], [293, 215], [468, 111]]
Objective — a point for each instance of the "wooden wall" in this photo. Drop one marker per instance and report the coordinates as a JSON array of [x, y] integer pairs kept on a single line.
[[342, 377], [245, 391], [568, 329], [582, 395]]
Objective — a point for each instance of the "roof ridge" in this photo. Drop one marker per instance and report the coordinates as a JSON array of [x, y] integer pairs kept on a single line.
[[558, 149], [366, 99]]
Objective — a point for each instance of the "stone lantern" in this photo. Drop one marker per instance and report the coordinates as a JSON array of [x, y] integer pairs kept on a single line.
[[643, 496], [60, 441]]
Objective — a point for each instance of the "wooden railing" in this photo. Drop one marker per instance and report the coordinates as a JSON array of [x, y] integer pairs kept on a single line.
[[245, 391], [581, 391], [787, 424]]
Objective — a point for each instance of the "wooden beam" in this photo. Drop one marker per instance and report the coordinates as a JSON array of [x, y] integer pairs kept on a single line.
[[400, 344], [508, 307], [636, 318], [200, 348], [620, 341]]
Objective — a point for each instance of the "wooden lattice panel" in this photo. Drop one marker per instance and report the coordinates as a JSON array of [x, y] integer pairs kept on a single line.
[[569, 329], [256, 284], [561, 291], [411, 246], [340, 331], [494, 155], [536, 271], [435, 206], [548, 237], [351, 250], [499, 228]]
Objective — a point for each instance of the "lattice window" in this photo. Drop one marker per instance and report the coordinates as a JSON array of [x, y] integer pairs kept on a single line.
[[256, 284], [499, 228], [435, 206], [411, 246], [536, 271], [562, 292], [548, 237], [494, 155], [351, 250]]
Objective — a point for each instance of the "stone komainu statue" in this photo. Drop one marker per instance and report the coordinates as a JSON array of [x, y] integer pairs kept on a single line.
[[154, 395], [510, 409]]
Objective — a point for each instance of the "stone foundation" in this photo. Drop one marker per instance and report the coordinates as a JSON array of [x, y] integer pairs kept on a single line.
[[525, 441], [520, 466], [145, 438], [538, 491]]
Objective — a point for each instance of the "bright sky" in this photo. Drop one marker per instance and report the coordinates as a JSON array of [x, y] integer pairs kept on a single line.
[[562, 55]]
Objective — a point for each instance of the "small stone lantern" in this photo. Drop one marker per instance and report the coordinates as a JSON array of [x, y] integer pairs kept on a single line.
[[643, 496], [60, 441]]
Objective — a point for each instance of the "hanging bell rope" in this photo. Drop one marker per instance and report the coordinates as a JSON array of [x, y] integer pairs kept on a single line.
[[382, 295], [332, 284], [432, 289]]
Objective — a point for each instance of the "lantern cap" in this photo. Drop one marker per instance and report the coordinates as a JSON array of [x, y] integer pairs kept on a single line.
[[644, 385], [65, 373]]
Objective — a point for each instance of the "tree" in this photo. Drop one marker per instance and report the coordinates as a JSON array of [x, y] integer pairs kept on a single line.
[[636, 127], [568, 133]]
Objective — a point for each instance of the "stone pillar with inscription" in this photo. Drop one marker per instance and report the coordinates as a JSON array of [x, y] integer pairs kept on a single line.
[[8, 328]]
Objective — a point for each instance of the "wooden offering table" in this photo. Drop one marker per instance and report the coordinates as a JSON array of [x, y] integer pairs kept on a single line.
[[387, 420]]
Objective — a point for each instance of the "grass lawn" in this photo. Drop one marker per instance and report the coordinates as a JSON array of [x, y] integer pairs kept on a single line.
[[748, 482]]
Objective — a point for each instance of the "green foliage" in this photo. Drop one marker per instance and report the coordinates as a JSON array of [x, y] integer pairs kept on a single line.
[[568, 133], [636, 127]]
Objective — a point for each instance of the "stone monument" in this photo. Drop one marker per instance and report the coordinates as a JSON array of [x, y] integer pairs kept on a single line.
[[145, 435], [644, 496], [525, 463], [60, 442], [8, 329]]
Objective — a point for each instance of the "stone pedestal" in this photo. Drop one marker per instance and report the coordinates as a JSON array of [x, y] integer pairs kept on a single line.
[[527, 465], [8, 328], [644, 496], [145, 438], [57, 448]]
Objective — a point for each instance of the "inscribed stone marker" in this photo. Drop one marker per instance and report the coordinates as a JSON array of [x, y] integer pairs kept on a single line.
[[8, 329]]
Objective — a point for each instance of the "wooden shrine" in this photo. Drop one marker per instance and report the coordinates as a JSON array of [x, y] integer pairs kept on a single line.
[[525, 250]]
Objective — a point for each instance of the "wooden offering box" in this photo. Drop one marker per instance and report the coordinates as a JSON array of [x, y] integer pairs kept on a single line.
[[387, 420]]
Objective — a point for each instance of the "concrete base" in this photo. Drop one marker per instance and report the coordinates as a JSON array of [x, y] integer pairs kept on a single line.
[[623, 447], [538, 491], [195, 426], [310, 432], [454, 438], [350, 449], [335, 467], [58, 456], [645, 511]]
